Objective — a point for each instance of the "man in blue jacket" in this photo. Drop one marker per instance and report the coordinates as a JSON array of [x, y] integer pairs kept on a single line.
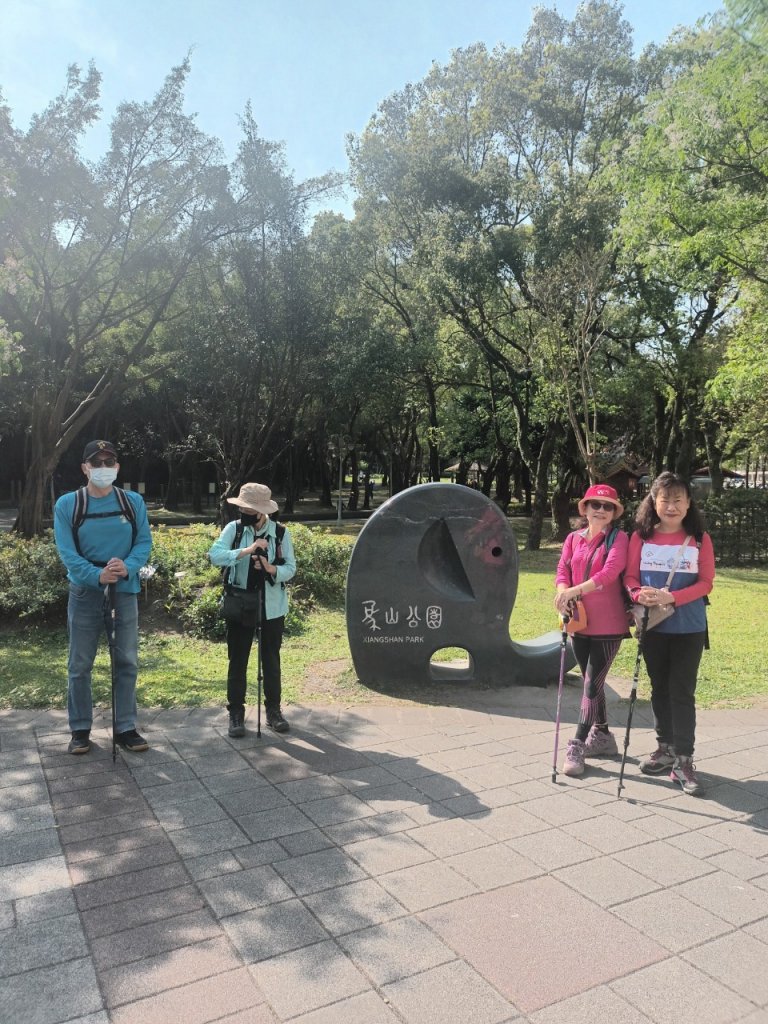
[[103, 538]]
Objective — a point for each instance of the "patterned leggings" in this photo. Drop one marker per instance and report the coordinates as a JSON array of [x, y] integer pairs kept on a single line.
[[595, 657]]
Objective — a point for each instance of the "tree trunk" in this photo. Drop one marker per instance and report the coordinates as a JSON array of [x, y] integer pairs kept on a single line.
[[354, 491], [538, 512]]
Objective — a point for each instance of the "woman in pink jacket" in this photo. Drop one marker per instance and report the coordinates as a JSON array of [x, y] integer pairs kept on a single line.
[[589, 571]]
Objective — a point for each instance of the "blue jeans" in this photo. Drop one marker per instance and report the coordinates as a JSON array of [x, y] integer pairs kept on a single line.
[[88, 616]]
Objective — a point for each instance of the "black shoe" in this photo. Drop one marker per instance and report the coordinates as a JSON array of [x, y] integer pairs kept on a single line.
[[236, 724], [130, 740], [80, 742], [275, 720]]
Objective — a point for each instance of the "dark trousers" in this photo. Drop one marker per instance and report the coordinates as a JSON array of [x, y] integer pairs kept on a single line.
[[595, 657], [239, 643], [672, 660]]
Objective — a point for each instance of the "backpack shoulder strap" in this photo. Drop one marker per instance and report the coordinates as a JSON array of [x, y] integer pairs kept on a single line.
[[79, 511]]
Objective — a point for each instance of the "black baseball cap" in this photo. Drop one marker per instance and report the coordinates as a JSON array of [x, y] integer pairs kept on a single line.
[[96, 448]]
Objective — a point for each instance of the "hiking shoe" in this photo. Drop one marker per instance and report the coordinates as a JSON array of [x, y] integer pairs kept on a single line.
[[574, 758], [130, 740], [684, 772], [80, 742], [600, 744], [660, 761], [275, 720], [236, 724]]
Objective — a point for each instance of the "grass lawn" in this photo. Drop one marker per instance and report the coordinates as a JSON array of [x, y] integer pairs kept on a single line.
[[179, 670]]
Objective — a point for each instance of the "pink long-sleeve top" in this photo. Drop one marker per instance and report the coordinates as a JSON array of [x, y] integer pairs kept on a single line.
[[606, 613]]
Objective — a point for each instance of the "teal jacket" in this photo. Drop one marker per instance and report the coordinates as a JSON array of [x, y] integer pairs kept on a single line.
[[223, 554], [102, 539]]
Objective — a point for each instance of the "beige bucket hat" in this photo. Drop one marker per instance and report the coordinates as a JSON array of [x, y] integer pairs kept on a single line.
[[256, 497]]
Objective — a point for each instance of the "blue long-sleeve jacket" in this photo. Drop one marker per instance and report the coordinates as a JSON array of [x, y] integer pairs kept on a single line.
[[223, 554], [102, 539]]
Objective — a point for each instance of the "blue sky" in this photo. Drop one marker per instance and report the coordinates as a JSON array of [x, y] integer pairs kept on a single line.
[[312, 69]]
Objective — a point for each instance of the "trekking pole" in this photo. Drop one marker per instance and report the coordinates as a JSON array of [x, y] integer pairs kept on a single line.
[[633, 696], [111, 588], [563, 645], [259, 665]]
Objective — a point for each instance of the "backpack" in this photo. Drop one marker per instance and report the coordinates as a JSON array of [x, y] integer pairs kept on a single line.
[[279, 560], [80, 513]]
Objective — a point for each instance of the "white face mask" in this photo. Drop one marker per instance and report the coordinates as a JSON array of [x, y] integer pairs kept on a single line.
[[102, 476]]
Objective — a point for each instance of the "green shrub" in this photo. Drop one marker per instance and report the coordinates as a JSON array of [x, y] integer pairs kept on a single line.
[[33, 581]]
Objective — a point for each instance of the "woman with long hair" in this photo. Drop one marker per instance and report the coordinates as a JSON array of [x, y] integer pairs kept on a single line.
[[670, 532]]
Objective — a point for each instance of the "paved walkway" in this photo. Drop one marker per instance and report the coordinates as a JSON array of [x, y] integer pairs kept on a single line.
[[378, 865]]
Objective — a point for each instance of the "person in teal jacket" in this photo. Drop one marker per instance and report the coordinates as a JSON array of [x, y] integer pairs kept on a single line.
[[102, 541], [256, 556]]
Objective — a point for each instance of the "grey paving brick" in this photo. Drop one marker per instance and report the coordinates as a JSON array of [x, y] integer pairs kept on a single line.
[[234, 782], [299, 843], [507, 822], [254, 854], [37, 876], [449, 837], [552, 849], [114, 917], [209, 838], [7, 916], [387, 853], [168, 970], [307, 979], [130, 885], [493, 866], [112, 845], [281, 821], [251, 801], [334, 810], [123, 822], [175, 793], [450, 994], [149, 776], [674, 992], [354, 906], [734, 862], [606, 881], [110, 807], [369, 1007], [22, 847], [316, 787], [426, 885], [396, 949], [216, 764], [609, 835], [210, 999], [322, 870], [272, 930], [598, 1004], [738, 961], [14, 797], [222, 863], [151, 939], [49, 995], [369, 828], [671, 920], [57, 903], [27, 819], [22, 776], [162, 852], [249, 888], [731, 898], [40, 944], [189, 813], [76, 788], [742, 836]]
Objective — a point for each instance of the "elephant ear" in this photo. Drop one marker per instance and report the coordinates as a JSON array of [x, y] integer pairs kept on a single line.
[[440, 563]]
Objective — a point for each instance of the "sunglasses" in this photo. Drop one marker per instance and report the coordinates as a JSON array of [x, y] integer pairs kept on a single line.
[[605, 506], [109, 462]]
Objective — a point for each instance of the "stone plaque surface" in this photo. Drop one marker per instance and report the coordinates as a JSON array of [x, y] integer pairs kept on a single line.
[[436, 567]]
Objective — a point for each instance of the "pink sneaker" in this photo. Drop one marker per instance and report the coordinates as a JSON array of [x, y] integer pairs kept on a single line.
[[684, 772], [574, 758], [600, 744]]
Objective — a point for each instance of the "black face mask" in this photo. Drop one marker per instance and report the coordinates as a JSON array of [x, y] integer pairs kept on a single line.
[[249, 520]]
